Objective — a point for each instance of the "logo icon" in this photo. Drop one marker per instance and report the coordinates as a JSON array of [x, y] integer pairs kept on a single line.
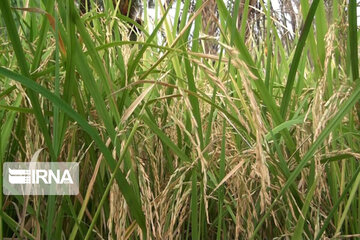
[[20, 176]]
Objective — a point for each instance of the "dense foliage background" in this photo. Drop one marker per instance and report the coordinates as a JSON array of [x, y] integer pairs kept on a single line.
[[218, 120]]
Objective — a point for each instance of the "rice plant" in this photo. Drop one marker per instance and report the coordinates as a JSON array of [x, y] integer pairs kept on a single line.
[[189, 119]]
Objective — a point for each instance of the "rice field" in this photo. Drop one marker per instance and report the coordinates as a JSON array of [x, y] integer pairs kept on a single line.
[[203, 120]]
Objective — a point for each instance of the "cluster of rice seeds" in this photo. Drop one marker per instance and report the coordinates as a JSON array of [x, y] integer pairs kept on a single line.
[[242, 186], [118, 213], [173, 198], [323, 110], [148, 200], [258, 128]]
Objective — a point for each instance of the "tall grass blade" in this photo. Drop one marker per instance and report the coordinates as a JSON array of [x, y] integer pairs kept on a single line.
[[296, 59], [353, 38]]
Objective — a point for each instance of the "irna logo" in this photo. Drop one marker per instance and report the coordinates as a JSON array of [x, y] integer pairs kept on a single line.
[[41, 178]]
